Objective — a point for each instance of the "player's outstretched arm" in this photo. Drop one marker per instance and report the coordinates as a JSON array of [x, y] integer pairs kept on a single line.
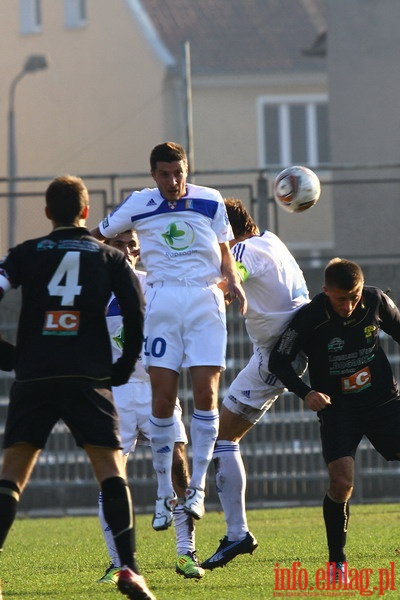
[[96, 234]]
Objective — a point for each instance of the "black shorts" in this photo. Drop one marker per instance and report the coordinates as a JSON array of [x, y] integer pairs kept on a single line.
[[342, 431], [86, 407]]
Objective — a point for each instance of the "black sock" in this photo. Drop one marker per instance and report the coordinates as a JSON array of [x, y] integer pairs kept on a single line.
[[336, 516], [9, 498], [119, 514]]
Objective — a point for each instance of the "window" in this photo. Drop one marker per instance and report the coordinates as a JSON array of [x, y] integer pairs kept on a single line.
[[30, 16], [75, 13], [294, 130]]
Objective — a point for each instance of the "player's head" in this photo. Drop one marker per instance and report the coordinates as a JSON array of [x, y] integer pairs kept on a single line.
[[243, 224], [169, 169], [67, 201], [128, 243], [344, 282]]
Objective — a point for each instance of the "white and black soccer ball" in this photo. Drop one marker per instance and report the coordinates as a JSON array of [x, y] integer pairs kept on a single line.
[[296, 189]]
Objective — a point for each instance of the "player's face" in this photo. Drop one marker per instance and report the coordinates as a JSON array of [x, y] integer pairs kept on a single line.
[[128, 243], [170, 178], [343, 302]]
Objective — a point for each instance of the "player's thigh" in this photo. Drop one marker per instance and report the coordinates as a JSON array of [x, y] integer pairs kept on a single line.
[[341, 433], [205, 335], [383, 430], [89, 412], [32, 413], [163, 327], [255, 386], [234, 425]]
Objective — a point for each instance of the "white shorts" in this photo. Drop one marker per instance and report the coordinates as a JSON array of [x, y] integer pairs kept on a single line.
[[133, 402], [255, 389], [185, 326]]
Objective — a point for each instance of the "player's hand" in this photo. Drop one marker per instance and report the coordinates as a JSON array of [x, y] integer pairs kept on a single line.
[[317, 400], [236, 292], [121, 370], [7, 355]]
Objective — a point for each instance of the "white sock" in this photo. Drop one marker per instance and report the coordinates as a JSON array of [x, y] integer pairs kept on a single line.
[[203, 431], [107, 534], [230, 478], [184, 530], [162, 440]]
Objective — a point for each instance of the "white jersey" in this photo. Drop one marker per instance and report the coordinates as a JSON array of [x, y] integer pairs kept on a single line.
[[116, 332], [179, 241], [274, 284]]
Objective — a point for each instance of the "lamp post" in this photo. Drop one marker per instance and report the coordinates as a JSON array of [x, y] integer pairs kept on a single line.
[[34, 62]]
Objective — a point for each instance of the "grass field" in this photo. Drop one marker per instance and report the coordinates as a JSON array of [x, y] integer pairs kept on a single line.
[[60, 559]]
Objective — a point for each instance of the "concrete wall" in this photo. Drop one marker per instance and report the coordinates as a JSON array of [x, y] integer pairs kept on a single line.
[[364, 90]]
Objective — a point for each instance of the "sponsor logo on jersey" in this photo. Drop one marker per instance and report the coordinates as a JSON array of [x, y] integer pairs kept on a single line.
[[369, 331], [119, 338], [336, 345], [61, 322], [151, 202], [179, 235], [46, 245], [357, 382], [105, 223]]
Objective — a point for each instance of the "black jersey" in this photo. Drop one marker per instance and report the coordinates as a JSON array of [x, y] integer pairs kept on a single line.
[[66, 279], [346, 360]]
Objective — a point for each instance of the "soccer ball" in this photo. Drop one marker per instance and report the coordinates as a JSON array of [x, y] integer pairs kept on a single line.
[[296, 189]]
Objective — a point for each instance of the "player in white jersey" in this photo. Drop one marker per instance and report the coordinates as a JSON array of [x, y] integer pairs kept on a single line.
[[184, 235], [275, 289], [133, 402]]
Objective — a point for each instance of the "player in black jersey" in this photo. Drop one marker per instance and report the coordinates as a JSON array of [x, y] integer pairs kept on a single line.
[[352, 388], [63, 365]]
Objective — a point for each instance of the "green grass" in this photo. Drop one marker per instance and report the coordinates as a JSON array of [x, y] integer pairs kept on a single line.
[[60, 559]]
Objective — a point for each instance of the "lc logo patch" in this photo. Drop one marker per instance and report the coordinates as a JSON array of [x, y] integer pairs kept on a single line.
[[61, 322], [356, 382]]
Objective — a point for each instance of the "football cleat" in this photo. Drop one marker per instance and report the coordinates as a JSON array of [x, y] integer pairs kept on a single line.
[[338, 572], [188, 566], [133, 585], [111, 575], [162, 517], [194, 503], [227, 550]]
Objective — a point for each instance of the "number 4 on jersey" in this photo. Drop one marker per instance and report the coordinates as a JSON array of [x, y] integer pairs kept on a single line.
[[64, 282]]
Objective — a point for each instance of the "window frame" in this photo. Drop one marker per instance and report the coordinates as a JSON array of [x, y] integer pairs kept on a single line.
[[30, 16], [283, 102], [75, 14]]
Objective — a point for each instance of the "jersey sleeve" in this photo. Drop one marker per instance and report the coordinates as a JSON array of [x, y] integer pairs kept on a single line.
[[284, 353], [390, 315], [9, 277], [221, 224], [245, 264], [118, 220]]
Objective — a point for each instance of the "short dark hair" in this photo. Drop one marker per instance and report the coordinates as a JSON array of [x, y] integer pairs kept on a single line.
[[66, 197], [240, 219], [343, 274], [167, 152]]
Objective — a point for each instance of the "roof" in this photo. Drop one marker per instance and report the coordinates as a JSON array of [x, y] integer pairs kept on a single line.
[[242, 36]]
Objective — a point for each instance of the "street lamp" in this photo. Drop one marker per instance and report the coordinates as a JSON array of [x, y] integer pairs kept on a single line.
[[34, 62]]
